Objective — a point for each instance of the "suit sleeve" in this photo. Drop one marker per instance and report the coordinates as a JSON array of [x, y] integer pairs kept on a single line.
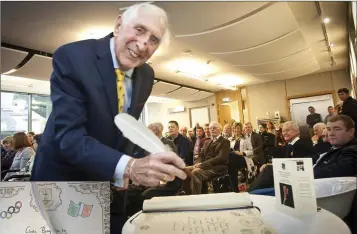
[[221, 158], [186, 149], [70, 119], [201, 153], [345, 166]]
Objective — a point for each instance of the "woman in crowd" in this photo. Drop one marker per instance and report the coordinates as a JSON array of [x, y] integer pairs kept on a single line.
[[280, 142], [7, 160], [271, 128], [237, 161], [24, 152]]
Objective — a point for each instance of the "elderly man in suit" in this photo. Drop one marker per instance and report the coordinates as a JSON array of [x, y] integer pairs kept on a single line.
[[295, 148], [212, 160], [255, 139], [157, 129], [93, 81]]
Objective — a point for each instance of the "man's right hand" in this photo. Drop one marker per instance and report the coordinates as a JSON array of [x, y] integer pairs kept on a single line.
[[152, 169]]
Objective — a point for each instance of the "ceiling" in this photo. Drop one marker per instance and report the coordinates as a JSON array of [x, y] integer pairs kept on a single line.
[[246, 42]]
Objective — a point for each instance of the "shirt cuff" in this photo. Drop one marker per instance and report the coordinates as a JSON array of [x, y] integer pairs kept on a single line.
[[119, 171]]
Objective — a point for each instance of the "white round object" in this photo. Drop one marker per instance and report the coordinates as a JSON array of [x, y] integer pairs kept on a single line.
[[323, 222]]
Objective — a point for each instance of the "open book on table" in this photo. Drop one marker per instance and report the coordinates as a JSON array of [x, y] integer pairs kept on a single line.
[[226, 213]]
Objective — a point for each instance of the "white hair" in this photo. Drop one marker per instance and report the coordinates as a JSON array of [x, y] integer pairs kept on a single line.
[[156, 126], [216, 124], [293, 125], [320, 125], [132, 12]]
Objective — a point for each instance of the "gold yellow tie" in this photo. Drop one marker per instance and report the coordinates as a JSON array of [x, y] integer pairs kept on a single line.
[[120, 89]]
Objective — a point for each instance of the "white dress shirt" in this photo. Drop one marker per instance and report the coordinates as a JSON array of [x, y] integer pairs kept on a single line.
[[128, 88]]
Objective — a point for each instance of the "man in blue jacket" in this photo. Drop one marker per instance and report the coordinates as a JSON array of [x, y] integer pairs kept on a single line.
[[93, 81]]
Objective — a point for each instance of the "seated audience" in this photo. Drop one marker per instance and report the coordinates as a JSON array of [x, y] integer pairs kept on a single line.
[[6, 146], [280, 142], [341, 160], [257, 145], [7, 160], [192, 137], [30, 135], [227, 131], [157, 129], [318, 129], [268, 139], [28, 168], [270, 127], [200, 140], [237, 161], [322, 146], [295, 148], [170, 188], [206, 130], [212, 160], [195, 128], [24, 152], [182, 143]]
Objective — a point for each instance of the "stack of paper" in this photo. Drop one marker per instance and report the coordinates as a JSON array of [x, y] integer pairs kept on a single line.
[[226, 213]]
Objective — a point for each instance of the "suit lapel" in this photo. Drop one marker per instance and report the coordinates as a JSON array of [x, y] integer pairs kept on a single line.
[[106, 69]]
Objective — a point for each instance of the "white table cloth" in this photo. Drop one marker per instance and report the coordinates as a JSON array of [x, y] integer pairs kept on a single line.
[[324, 222]]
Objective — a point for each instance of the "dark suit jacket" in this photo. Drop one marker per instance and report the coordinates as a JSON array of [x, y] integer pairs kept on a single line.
[[80, 141], [301, 149], [184, 148], [170, 143], [349, 108], [338, 162], [257, 144], [215, 156]]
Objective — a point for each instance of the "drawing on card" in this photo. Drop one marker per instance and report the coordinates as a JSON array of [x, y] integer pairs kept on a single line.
[[51, 196], [7, 192], [11, 210], [79, 209]]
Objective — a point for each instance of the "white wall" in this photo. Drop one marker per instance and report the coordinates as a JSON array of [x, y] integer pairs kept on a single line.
[[272, 96], [158, 112]]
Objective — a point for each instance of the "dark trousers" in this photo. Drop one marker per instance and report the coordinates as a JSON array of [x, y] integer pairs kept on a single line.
[[236, 163], [117, 212], [264, 180]]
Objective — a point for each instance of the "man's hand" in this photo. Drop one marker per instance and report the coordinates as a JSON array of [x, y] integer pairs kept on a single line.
[[239, 153], [196, 156], [150, 170], [197, 165], [262, 167], [315, 138]]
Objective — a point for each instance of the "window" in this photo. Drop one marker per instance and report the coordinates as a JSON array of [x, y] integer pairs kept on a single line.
[[14, 113], [41, 108], [22, 112]]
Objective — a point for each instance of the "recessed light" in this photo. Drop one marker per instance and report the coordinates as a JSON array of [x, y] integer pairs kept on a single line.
[[326, 20], [332, 45]]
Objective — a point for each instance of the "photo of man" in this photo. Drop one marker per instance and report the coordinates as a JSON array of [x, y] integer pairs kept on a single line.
[[286, 195], [300, 166]]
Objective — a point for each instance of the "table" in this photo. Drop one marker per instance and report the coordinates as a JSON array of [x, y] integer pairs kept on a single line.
[[324, 222]]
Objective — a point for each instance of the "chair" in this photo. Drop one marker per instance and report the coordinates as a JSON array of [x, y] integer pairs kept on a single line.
[[222, 184], [24, 177], [336, 194]]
